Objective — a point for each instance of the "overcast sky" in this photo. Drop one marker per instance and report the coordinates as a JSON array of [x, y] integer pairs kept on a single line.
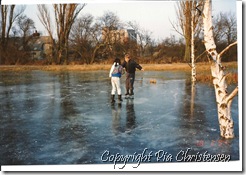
[[154, 16]]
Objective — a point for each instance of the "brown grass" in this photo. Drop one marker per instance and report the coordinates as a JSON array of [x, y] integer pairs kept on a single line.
[[56, 68], [204, 73], [203, 69], [232, 78], [148, 67]]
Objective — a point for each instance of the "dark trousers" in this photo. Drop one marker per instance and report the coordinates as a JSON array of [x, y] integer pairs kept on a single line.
[[129, 83]]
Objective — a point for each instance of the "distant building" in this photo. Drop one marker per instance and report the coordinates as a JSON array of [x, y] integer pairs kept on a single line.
[[40, 46], [132, 35], [118, 35]]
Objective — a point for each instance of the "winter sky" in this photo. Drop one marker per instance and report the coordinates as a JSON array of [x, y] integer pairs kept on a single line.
[[153, 16]]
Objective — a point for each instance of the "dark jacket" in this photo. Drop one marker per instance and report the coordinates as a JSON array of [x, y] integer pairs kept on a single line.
[[131, 66]]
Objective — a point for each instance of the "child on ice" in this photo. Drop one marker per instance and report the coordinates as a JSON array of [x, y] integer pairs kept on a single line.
[[115, 73]]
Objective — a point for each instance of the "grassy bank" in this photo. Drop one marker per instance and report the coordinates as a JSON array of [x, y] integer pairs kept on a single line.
[[203, 69], [93, 67]]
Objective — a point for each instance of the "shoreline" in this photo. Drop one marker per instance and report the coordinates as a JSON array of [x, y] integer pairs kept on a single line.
[[106, 67]]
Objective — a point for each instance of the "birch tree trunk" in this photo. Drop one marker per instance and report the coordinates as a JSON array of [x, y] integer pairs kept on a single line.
[[193, 66], [219, 77]]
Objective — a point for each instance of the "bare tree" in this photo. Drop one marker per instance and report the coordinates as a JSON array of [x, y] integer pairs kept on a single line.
[[45, 18], [9, 15], [100, 38], [143, 36], [111, 28], [96, 38], [188, 12], [110, 20], [225, 27], [82, 37], [26, 26], [64, 17], [223, 100]]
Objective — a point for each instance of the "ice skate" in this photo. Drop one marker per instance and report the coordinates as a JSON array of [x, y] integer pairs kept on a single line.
[[131, 95], [112, 99], [119, 99], [127, 95]]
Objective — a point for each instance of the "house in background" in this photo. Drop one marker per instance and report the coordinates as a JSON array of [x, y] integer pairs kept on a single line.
[[40, 47], [131, 35], [118, 35]]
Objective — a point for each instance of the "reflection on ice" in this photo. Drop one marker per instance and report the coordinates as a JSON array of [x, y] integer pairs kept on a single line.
[[67, 117]]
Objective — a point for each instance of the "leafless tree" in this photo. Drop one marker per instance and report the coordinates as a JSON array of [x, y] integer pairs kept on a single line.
[[111, 28], [9, 14], [26, 26], [98, 38], [143, 36], [110, 20], [225, 27], [187, 12], [64, 17], [82, 37]]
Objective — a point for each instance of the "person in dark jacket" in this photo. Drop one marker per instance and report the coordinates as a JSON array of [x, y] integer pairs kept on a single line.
[[130, 67]]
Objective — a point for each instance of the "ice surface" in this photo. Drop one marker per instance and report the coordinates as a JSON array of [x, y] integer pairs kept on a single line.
[[67, 117]]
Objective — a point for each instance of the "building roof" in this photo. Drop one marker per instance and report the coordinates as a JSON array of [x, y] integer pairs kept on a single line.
[[36, 43]]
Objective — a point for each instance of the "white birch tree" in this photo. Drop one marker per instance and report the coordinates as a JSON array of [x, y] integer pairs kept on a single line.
[[223, 100], [189, 16], [193, 66]]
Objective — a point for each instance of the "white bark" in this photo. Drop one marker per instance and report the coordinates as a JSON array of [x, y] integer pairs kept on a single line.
[[193, 66], [208, 30], [219, 78]]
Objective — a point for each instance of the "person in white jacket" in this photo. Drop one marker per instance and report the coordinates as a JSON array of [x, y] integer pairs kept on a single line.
[[115, 74]]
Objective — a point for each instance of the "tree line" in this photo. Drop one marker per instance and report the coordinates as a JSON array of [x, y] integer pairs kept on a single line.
[[77, 38]]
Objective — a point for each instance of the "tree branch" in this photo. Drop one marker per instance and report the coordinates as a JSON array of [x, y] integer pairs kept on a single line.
[[232, 95], [175, 29], [227, 48], [200, 55]]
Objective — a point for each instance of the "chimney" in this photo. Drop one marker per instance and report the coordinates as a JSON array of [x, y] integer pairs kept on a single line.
[[36, 33]]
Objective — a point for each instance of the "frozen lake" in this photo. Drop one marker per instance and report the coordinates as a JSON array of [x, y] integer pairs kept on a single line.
[[66, 118]]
